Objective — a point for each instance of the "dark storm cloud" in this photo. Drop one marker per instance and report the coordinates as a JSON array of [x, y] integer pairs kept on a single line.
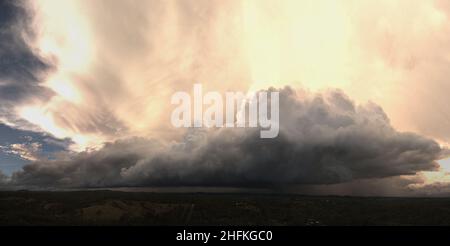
[[20, 68], [324, 139]]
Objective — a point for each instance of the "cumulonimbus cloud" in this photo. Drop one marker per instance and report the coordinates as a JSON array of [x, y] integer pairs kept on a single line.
[[325, 138], [74, 70], [110, 77]]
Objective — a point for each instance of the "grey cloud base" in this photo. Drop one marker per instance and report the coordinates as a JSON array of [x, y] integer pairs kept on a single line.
[[324, 139]]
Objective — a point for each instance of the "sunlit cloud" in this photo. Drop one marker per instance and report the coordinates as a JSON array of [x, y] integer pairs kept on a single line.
[[133, 56], [113, 65], [27, 151]]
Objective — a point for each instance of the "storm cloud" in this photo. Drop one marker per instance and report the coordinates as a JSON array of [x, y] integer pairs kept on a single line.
[[77, 74], [21, 70], [325, 138]]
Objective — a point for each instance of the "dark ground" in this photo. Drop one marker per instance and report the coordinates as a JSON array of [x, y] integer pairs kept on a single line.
[[145, 208]]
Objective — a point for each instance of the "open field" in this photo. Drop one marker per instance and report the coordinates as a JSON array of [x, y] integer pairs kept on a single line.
[[145, 208]]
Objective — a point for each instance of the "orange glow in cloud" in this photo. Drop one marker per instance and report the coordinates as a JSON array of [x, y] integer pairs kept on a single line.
[[127, 58]]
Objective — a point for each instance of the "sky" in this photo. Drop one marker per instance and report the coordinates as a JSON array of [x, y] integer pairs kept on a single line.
[[85, 91]]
